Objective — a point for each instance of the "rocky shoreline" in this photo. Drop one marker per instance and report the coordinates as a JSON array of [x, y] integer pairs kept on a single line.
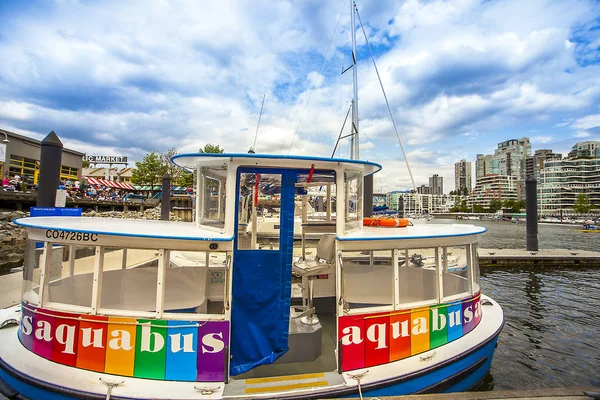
[[12, 236]]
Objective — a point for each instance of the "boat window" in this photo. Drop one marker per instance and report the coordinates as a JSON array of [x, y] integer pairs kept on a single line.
[[195, 283], [129, 279], [476, 272], [353, 182], [212, 196], [31, 273], [70, 275], [368, 279], [258, 211], [456, 272], [317, 196], [417, 277]]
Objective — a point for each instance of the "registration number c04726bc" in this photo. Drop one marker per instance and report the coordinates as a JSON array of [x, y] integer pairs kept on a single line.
[[76, 236]]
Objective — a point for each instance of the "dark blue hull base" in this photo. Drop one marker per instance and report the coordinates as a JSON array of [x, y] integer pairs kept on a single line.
[[459, 376], [461, 373]]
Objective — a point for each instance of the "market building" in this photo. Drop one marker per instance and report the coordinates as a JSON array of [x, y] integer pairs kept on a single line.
[[20, 155]]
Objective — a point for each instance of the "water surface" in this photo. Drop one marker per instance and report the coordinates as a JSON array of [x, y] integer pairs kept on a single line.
[[552, 333]]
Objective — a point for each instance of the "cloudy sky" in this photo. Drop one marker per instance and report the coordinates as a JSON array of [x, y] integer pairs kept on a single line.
[[128, 78]]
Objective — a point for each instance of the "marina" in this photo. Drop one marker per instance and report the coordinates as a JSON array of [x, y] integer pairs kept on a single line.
[[268, 277]]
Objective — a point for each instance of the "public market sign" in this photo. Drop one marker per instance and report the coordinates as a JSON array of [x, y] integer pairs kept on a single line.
[[106, 159]]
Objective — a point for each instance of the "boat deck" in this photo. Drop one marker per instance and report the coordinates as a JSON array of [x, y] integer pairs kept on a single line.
[[286, 376]]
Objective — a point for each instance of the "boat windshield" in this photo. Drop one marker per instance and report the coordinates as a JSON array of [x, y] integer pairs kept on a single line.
[[211, 199], [353, 181]]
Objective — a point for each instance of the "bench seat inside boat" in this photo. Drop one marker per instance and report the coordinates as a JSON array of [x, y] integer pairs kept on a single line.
[[135, 289], [373, 284]]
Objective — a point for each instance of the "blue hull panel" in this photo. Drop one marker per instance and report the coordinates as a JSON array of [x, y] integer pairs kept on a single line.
[[458, 376], [29, 391]]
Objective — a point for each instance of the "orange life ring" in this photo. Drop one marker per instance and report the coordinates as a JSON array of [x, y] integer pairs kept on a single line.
[[386, 222]]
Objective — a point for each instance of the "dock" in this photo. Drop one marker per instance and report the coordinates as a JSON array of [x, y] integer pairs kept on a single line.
[[541, 258]]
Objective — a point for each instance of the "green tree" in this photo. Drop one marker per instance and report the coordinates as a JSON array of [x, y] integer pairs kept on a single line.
[[149, 171], [478, 208], [165, 158], [211, 148], [464, 207], [495, 205], [582, 204], [185, 179]]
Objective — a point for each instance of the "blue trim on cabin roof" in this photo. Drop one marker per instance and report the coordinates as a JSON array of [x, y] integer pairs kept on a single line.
[[140, 235], [364, 239], [278, 157]]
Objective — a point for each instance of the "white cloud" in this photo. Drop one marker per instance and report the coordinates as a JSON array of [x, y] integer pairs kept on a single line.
[[541, 139], [587, 122], [582, 134], [140, 76]]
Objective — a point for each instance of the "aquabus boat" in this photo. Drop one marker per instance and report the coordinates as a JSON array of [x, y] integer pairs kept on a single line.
[[138, 309]]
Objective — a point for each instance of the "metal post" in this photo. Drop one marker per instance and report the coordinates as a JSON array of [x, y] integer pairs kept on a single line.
[[368, 196], [531, 200], [49, 177], [165, 197]]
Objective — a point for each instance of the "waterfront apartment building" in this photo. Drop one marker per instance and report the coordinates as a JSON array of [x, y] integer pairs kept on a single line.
[[535, 163], [462, 176], [430, 203], [407, 202], [585, 149], [394, 199], [493, 187], [485, 165], [20, 155], [561, 182], [436, 184]]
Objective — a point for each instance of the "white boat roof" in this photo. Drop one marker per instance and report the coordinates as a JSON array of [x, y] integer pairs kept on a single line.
[[143, 228], [193, 160], [426, 231]]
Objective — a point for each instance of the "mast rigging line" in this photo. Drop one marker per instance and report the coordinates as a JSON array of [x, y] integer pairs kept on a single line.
[[340, 137], [388, 106], [258, 125], [315, 82]]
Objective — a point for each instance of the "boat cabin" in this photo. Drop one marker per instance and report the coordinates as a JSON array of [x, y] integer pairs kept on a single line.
[[276, 276]]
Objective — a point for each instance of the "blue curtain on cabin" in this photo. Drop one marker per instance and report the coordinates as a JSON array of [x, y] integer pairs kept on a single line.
[[261, 290]]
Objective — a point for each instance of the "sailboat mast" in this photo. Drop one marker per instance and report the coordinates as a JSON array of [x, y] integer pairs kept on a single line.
[[354, 148]]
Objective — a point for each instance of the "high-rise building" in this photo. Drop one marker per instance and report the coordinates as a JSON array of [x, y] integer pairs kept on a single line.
[[511, 156], [535, 163], [484, 165], [436, 184], [462, 176], [585, 149]]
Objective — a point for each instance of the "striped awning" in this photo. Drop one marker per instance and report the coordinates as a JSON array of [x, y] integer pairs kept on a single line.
[[113, 184]]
